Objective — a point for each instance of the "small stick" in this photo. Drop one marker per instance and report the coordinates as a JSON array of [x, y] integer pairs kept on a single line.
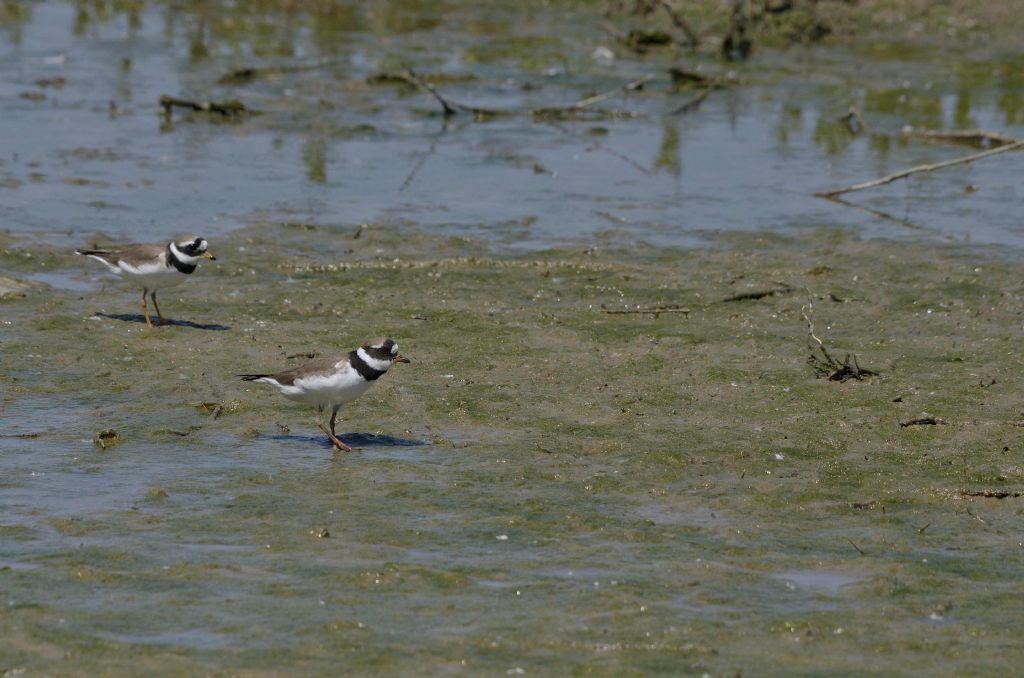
[[655, 310], [966, 136], [923, 421], [628, 87], [680, 23], [751, 296], [227, 108], [855, 546], [921, 168], [414, 79], [450, 107], [990, 494]]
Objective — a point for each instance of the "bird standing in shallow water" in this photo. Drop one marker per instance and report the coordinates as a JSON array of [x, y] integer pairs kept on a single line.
[[154, 266], [334, 380]]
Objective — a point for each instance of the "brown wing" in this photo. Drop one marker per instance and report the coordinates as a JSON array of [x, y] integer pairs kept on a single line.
[[138, 254], [323, 364]]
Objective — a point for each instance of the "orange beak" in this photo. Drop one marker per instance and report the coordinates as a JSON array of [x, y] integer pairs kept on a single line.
[[400, 359], [207, 255]]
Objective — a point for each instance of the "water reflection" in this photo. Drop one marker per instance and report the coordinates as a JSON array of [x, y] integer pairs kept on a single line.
[[330, 134]]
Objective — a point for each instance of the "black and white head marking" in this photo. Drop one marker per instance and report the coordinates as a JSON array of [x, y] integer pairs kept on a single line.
[[189, 250], [372, 359]]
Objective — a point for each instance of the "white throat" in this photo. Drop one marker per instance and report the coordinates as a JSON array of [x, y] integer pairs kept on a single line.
[[379, 365], [182, 257]]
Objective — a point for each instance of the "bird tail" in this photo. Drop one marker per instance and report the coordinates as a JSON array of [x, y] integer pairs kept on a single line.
[[253, 377], [105, 257]]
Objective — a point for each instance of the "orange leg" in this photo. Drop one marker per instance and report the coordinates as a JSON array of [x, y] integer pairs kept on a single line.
[[330, 433], [334, 436], [145, 311], [160, 318]]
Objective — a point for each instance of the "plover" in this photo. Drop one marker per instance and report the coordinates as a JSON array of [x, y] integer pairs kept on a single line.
[[154, 266], [334, 380]]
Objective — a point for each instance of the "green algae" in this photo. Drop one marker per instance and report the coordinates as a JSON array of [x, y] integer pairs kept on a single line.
[[610, 494], [623, 487]]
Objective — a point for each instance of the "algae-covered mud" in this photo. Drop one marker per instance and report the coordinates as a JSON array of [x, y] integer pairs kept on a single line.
[[549, 486], [667, 412]]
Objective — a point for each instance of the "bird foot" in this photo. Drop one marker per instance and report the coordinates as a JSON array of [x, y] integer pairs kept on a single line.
[[339, 446]]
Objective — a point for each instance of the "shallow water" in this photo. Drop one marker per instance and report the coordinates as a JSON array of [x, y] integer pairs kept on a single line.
[[545, 492], [94, 156]]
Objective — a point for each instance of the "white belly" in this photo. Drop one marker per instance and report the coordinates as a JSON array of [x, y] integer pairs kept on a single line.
[[154, 279], [337, 388]]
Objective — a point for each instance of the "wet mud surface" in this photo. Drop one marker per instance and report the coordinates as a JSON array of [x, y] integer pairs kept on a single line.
[[615, 450], [547, 484]]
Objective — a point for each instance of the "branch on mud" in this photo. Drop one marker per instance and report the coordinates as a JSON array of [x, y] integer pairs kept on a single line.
[[923, 421], [578, 110], [824, 365], [991, 494], [230, 108], [640, 40], [449, 106], [654, 310], [761, 294], [246, 74], [980, 138], [628, 87], [680, 23], [1016, 145]]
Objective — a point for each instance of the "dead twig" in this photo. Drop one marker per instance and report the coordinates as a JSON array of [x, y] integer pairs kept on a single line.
[[581, 109], [825, 365], [976, 517], [655, 310], [1017, 145], [246, 74], [761, 294], [680, 23], [991, 494], [577, 110], [230, 108], [628, 87], [972, 137], [684, 76], [923, 421], [447, 105], [859, 550]]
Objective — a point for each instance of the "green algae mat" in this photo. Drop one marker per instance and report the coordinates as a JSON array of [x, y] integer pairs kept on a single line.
[[610, 461]]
